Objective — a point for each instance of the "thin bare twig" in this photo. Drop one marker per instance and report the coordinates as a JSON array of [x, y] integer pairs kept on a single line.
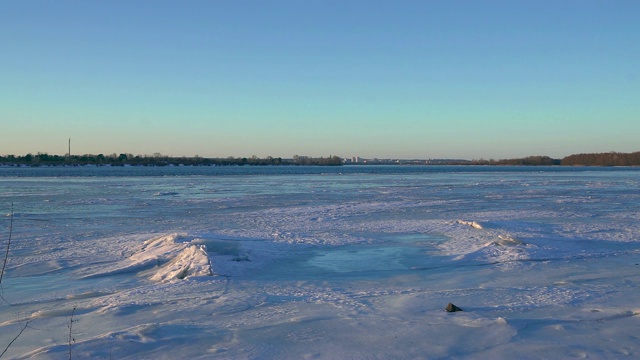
[[15, 338], [6, 255], [71, 339], [4, 265]]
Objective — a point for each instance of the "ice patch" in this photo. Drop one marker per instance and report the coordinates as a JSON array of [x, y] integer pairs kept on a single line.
[[353, 259]]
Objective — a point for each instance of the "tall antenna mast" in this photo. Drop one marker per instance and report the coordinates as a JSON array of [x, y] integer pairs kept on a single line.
[[69, 147]]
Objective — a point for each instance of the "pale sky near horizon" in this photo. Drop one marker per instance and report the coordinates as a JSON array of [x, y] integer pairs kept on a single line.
[[388, 79]]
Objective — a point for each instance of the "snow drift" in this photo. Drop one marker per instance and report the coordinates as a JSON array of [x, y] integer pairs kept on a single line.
[[164, 258]]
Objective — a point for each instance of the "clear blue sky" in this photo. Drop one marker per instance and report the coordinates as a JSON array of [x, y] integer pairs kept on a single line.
[[399, 79]]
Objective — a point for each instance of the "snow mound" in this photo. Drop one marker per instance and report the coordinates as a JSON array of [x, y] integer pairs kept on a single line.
[[164, 258], [491, 245], [506, 240], [191, 261], [473, 224]]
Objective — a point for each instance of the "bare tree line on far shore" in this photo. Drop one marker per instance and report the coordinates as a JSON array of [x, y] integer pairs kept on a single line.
[[591, 159], [44, 159]]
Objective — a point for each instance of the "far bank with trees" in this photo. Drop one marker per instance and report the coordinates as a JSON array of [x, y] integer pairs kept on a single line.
[[44, 159]]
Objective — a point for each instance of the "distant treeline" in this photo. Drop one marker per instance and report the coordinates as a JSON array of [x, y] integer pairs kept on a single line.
[[41, 159], [530, 160], [595, 159], [603, 159]]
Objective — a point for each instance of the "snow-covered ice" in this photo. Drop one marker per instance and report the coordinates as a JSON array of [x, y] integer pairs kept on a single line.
[[323, 263]]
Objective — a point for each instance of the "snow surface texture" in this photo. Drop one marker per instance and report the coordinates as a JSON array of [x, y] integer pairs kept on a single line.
[[325, 266]]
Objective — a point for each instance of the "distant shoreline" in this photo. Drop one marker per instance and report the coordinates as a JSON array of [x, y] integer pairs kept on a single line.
[[29, 160]]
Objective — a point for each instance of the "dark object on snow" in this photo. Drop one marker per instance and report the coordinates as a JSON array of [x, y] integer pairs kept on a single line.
[[452, 308]]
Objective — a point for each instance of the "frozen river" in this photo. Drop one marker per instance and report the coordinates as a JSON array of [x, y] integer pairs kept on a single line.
[[354, 262]]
